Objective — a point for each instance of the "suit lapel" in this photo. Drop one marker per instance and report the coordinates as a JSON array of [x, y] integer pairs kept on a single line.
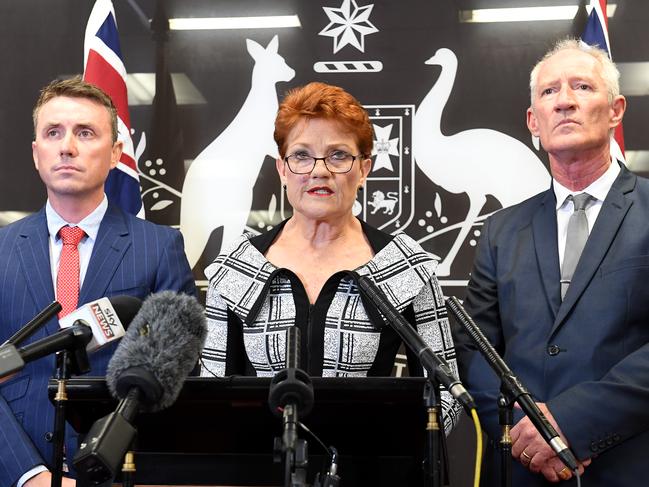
[[109, 249], [34, 255], [544, 229], [615, 207]]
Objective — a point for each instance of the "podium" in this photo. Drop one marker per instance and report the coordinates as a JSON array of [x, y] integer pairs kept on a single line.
[[220, 431]]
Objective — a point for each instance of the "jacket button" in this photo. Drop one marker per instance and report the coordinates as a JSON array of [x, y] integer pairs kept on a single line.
[[48, 436], [553, 350], [616, 438], [602, 444], [593, 447]]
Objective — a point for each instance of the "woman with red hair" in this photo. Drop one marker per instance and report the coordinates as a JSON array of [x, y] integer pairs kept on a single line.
[[298, 274]]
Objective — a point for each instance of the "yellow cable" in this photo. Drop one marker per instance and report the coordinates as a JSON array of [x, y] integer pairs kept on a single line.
[[478, 453]]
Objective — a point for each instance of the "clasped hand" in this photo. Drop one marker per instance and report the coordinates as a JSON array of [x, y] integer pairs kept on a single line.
[[534, 453]]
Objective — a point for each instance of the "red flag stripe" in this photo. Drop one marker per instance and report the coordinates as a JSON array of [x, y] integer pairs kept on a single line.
[[128, 161], [602, 4], [102, 74]]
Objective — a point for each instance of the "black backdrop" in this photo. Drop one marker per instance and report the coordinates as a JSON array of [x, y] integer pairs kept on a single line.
[[43, 40]]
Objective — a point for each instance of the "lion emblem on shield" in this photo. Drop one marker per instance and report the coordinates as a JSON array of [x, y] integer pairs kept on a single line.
[[382, 201]]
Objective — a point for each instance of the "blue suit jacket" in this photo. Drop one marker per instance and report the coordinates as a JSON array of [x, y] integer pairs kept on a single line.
[[130, 256], [586, 357]]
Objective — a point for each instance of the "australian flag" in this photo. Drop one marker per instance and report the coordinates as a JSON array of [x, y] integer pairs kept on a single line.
[[596, 34], [104, 68]]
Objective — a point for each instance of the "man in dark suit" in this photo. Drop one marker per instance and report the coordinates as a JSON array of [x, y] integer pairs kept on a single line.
[[74, 148], [572, 324]]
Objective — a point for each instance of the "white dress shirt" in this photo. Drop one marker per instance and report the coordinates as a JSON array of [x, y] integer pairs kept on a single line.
[[55, 222], [89, 224], [598, 189]]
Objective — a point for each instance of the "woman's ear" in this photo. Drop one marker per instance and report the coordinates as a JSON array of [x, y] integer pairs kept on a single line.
[[280, 165], [366, 167]]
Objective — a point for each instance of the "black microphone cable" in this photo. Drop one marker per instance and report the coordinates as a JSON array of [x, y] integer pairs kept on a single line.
[[330, 478]]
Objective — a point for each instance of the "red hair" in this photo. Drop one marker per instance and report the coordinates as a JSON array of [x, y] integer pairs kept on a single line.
[[320, 100]]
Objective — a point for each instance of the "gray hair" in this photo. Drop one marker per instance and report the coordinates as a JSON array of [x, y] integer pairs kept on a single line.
[[609, 71]]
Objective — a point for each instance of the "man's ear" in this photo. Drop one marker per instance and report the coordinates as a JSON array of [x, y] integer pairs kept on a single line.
[[116, 153], [532, 124], [618, 107], [35, 154]]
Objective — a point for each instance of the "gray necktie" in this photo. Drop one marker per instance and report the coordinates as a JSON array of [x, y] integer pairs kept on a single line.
[[575, 238]]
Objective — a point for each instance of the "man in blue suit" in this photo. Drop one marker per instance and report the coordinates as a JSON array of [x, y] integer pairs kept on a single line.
[[74, 148], [578, 340]]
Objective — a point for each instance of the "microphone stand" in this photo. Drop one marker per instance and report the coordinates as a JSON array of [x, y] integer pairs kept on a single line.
[[128, 469], [294, 449], [60, 400], [291, 391], [296, 456], [506, 420], [67, 363], [433, 471]]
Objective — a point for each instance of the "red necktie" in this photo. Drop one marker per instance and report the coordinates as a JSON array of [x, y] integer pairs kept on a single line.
[[67, 279]]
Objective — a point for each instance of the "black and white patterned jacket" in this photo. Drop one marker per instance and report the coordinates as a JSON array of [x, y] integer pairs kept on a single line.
[[251, 303]]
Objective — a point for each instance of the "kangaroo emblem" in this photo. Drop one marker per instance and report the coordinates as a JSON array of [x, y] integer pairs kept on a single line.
[[218, 186]]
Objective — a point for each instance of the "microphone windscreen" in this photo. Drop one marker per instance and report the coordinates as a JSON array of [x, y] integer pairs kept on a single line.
[[164, 339]]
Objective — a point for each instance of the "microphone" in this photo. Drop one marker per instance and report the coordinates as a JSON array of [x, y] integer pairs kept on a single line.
[[74, 339], [291, 395], [291, 385], [147, 371], [436, 366], [106, 317], [512, 385], [291, 390], [86, 329], [38, 321]]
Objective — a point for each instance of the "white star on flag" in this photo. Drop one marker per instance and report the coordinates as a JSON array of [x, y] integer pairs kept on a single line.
[[349, 26], [384, 147]]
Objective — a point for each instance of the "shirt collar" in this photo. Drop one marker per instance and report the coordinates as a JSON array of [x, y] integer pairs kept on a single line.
[[597, 189], [375, 237], [89, 224]]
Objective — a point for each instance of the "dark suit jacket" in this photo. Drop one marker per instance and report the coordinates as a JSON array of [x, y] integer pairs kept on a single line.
[[130, 256], [586, 357]]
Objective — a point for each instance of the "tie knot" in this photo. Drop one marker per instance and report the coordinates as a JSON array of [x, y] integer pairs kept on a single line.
[[581, 201], [71, 235]]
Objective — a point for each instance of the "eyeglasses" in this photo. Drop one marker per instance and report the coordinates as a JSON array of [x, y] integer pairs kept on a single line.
[[337, 162]]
